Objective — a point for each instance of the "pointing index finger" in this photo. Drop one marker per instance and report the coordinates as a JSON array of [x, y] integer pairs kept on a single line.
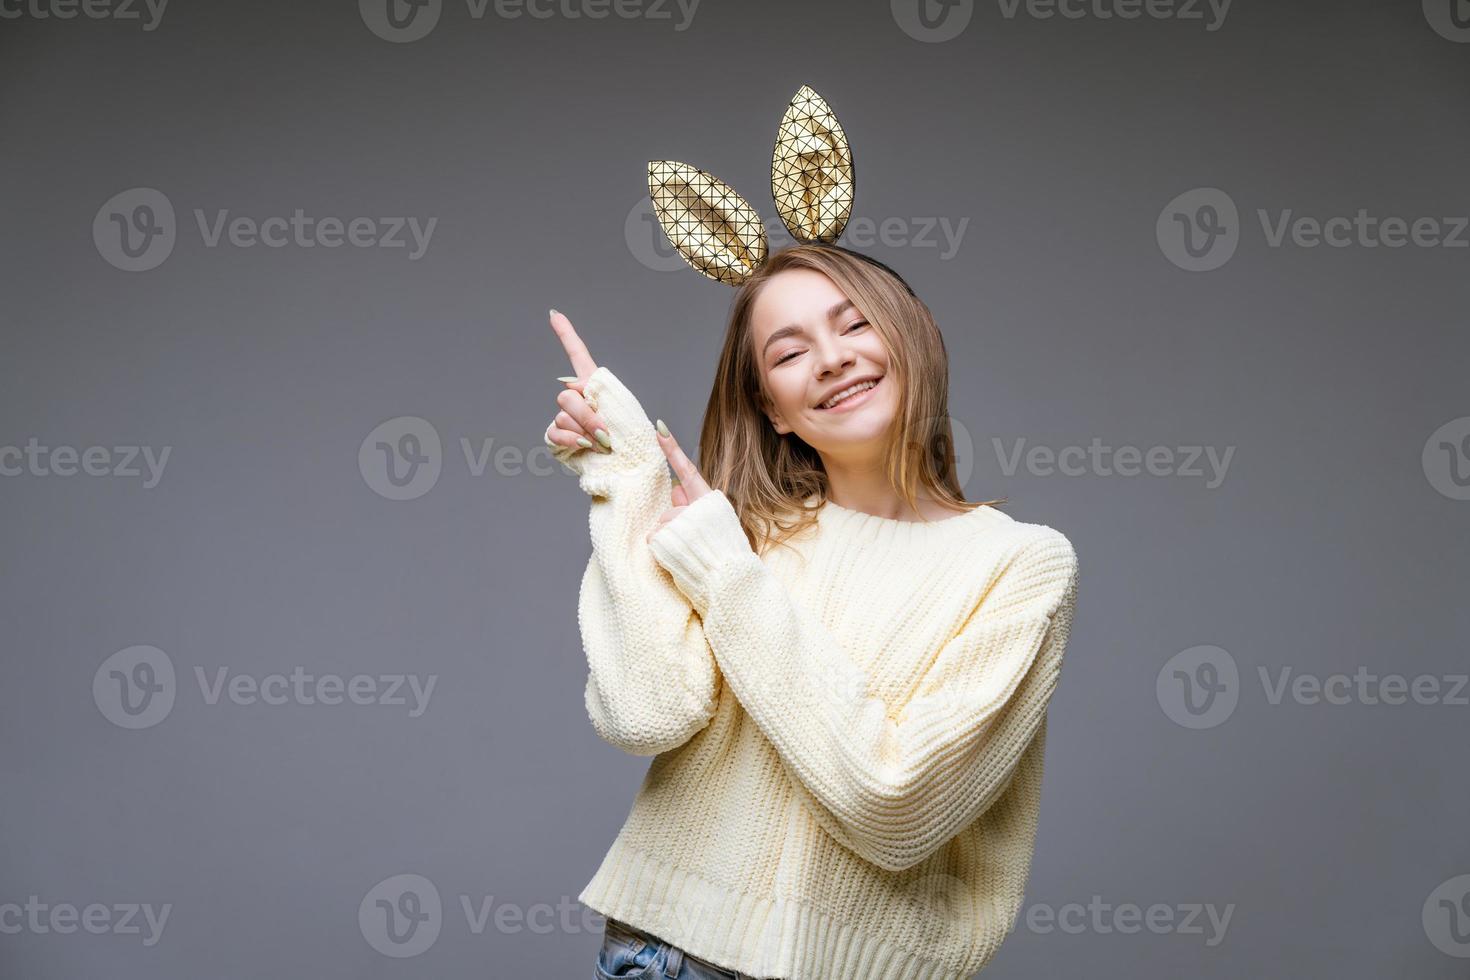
[[682, 465], [577, 353]]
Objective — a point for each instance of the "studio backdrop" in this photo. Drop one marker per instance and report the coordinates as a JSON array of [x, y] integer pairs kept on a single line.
[[292, 677]]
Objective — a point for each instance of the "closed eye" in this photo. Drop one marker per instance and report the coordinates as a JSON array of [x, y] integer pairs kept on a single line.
[[850, 328]]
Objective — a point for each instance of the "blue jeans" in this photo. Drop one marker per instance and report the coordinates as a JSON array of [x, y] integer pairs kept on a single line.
[[629, 953]]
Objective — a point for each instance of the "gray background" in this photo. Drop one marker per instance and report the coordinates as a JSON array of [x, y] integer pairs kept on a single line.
[[1327, 548]]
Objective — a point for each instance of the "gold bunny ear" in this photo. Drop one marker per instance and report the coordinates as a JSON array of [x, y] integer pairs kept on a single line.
[[811, 170], [713, 227]]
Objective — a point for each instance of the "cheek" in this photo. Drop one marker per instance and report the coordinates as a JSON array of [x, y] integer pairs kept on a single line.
[[874, 350], [789, 396]]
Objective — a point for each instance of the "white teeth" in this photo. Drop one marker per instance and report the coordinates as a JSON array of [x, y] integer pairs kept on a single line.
[[848, 392]]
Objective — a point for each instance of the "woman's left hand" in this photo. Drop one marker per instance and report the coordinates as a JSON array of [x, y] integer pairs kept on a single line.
[[691, 485]]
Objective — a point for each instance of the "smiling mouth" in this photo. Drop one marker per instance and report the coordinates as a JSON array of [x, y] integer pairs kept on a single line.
[[858, 395]]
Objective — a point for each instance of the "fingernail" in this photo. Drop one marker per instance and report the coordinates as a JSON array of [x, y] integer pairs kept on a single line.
[[663, 430], [601, 435], [584, 442], [551, 313], [566, 377]]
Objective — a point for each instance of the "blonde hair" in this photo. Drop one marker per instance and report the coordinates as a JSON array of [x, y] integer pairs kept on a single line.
[[768, 476]]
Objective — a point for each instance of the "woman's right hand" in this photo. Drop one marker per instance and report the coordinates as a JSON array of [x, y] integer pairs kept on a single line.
[[576, 425]]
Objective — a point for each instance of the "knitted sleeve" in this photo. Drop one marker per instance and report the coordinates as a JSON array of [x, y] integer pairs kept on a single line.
[[893, 783], [651, 682]]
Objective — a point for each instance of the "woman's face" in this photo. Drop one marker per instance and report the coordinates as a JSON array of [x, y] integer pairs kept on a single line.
[[811, 343]]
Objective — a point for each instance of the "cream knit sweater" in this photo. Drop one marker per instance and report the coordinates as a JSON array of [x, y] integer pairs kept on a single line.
[[847, 742]]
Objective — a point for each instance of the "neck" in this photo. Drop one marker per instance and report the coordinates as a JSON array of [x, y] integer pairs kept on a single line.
[[866, 488]]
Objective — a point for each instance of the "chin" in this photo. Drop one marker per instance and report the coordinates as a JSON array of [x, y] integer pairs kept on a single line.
[[848, 433]]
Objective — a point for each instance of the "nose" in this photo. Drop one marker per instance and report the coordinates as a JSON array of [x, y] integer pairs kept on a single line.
[[832, 357]]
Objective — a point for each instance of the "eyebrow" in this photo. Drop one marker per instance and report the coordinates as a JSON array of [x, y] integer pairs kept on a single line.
[[836, 310]]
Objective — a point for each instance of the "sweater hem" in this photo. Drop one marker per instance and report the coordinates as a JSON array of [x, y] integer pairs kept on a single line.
[[767, 937]]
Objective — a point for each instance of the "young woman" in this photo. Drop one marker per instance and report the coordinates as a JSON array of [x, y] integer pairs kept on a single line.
[[840, 667]]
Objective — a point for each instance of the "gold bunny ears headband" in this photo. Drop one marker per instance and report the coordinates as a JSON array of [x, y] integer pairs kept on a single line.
[[721, 235]]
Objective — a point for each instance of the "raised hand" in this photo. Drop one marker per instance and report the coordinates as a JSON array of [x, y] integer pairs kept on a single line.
[[689, 484], [576, 425]]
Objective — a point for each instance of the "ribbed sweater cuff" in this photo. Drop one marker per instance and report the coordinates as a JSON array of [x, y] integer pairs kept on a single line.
[[695, 546], [635, 447]]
